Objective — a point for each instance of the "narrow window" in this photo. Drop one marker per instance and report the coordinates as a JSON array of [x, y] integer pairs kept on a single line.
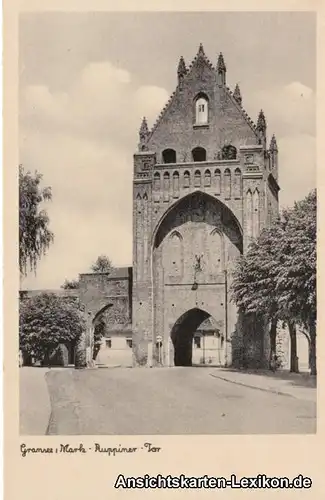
[[176, 182], [197, 179], [217, 176], [108, 343], [166, 181], [207, 178], [129, 342], [227, 178], [166, 186], [186, 179], [156, 181], [237, 183], [201, 111]]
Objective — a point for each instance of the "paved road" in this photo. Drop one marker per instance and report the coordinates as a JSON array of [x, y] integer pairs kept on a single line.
[[168, 401]]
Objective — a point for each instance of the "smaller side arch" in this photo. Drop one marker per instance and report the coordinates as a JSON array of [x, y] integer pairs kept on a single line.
[[100, 312]]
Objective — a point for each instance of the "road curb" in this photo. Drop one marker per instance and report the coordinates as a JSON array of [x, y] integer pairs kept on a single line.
[[279, 393]]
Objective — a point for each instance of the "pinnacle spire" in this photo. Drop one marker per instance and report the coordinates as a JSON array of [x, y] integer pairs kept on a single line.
[[261, 122], [181, 70], [237, 94], [221, 63], [273, 144], [201, 50], [144, 127]]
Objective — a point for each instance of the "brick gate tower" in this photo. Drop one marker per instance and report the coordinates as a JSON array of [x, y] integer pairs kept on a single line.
[[205, 183]]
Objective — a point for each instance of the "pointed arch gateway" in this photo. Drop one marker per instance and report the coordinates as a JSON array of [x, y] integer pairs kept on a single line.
[[198, 199], [191, 244], [182, 335]]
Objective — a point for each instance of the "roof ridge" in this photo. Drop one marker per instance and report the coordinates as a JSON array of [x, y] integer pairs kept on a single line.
[[242, 110], [163, 111]]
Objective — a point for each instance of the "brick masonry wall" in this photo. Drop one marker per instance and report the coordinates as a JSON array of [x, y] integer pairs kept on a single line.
[[236, 187]]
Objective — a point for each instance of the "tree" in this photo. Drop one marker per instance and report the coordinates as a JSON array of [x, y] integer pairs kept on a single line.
[[296, 277], [102, 265], [277, 277], [254, 279], [45, 322], [35, 236], [70, 284]]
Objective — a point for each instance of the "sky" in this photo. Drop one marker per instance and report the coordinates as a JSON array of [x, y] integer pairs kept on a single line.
[[86, 80]]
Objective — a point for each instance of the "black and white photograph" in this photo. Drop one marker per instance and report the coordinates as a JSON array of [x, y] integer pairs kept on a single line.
[[167, 223]]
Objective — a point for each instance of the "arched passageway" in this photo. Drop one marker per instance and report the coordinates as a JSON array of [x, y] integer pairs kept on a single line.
[[195, 244], [188, 330]]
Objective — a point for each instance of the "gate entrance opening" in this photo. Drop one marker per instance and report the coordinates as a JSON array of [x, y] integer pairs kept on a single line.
[[198, 339]]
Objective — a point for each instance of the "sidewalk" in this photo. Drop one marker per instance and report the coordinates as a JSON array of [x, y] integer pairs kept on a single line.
[[35, 407], [296, 385]]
